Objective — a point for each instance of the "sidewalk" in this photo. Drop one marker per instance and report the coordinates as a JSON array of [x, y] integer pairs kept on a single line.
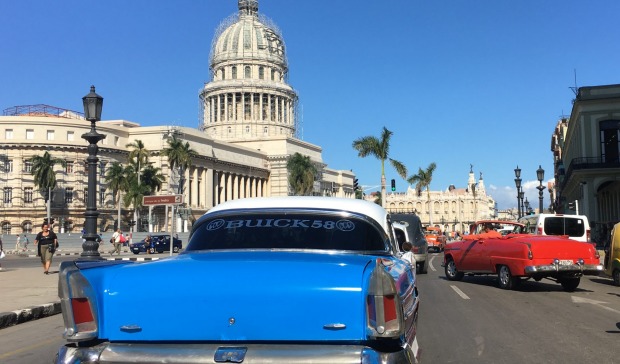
[[28, 294]]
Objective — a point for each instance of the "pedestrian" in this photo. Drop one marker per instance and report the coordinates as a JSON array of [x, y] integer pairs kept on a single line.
[[17, 244], [116, 241], [26, 242], [1, 252], [47, 242], [147, 244]]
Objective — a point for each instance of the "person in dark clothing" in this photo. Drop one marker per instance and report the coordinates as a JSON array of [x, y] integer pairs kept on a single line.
[[47, 242]]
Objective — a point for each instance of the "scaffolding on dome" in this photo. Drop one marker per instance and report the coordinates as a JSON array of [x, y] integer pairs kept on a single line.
[[42, 110]]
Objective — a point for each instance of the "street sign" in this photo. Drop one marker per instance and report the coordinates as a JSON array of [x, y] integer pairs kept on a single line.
[[162, 200]]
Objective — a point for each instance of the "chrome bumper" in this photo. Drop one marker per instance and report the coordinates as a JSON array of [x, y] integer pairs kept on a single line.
[[585, 269], [213, 353]]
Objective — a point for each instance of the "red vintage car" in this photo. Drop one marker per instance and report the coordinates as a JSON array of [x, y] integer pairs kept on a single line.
[[517, 256]]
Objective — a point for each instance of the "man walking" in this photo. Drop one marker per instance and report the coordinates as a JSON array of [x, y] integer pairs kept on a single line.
[[116, 240], [17, 245]]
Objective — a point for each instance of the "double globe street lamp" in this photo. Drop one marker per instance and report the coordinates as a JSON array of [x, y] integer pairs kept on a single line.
[[93, 104], [540, 175], [519, 192], [523, 210]]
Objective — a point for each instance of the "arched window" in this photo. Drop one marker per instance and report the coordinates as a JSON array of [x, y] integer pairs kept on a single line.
[[273, 75], [234, 72], [229, 130], [265, 131], [261, 72], [223, 74], [27, 227], [6, 228], [247, 130], [247, 72]]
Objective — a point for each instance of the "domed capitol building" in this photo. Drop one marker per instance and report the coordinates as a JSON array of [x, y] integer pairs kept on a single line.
[[248, 131]]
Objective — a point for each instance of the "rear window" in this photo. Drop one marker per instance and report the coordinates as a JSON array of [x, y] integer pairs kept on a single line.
[[287, 231], [564, 226]]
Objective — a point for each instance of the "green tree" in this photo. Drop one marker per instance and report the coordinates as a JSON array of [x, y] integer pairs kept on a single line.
[[152, 178], [423, 180], [116, 178], [138, 158], [301, 174], [180, 155], [45, 176], [380, 148]]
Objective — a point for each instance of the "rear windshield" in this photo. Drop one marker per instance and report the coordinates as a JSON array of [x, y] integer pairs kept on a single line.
[[287, 231], [564, 226]]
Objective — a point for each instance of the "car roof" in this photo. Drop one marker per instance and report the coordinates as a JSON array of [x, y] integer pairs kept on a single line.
[[362, 207]]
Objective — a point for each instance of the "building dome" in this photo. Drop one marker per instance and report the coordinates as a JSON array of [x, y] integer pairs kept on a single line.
[[250, 37], [248, 97]]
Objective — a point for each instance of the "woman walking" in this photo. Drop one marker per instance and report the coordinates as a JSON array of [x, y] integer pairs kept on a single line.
[[47, 242]]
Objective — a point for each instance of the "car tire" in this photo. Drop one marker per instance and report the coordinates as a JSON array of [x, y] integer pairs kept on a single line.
[[423, 267], [152, 250], [616, 277], [570, 284], [451, 272], [175, 249], [505, 278], [136, 253]]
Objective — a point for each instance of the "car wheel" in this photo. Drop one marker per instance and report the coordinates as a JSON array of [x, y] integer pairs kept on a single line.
[[423, 267], [506, 281], [136, 252], [616, 276], [451, 272], [570, 284], [152, 250], [175, 249]]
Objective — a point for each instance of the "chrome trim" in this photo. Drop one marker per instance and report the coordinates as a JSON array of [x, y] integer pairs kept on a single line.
[[335, 326], [588, 269], [256, 353]]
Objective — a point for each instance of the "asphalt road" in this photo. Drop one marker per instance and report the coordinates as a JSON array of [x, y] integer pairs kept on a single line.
[[470, 321]]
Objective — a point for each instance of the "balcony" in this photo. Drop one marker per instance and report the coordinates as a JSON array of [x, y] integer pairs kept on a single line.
[[585, 163]]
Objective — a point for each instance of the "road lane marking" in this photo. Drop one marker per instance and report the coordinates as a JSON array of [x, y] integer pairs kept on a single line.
[[430, 263], [460, 293], [576, 299]]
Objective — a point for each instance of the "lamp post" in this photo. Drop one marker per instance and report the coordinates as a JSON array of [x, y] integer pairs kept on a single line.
[[540, 174], [93, 105], [518, 185], [521, 194], [527, 207]]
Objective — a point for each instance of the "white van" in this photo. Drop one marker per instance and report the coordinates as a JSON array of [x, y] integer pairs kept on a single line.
[[577, 227]]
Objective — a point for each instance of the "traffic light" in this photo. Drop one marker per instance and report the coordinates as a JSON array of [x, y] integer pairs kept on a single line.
[[393, 185], [51, 219], [132, 222]]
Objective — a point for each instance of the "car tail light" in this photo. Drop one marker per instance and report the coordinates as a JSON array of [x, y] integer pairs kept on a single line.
[[588, 235], [384, 318], [540, 231], [79, 305], [416, 249]]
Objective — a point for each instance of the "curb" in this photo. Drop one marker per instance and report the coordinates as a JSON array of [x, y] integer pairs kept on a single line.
[[12, 318]]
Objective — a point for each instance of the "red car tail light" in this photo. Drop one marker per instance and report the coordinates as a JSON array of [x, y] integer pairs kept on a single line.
[[384, 318], [79, 306], [588, 235], [540, 231]]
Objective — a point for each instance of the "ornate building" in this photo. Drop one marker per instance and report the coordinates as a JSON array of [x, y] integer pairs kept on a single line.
[[453, 210], [247, 134]]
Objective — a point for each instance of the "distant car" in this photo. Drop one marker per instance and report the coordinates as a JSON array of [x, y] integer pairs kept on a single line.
[[326, 271], [517, 256], [415, 236], [159, 243], [435, 238]]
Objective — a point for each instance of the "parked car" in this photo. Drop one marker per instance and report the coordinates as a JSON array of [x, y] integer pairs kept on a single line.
[[415, 235], [612, 256], [577, 227], [159, 243], [326, 271], [436, 240], [514, 257]]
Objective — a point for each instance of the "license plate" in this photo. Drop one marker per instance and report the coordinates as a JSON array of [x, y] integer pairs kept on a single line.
[[566, 262]]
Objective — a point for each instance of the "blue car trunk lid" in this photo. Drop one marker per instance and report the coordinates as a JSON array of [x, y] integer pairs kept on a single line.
[[235, 296]]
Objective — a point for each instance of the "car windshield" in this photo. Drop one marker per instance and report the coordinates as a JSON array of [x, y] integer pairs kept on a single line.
[[287, 231]]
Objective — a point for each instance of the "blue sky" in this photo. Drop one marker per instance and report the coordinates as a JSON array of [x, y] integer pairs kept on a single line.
[[458, 82]]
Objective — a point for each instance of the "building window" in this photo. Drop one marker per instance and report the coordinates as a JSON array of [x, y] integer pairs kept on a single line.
[[69, 168], [29, 134], [70, 136], [50, 135], [8, 134], [234, 72], [265, 130], [6, 228], [102, 168], [28, 166], [69, 195], [610, 140], [273, 75], [8, 194], [7, 166], [247, 130], [261, 72], [28, 194], [223, 74], [27, 227], [247, 72], [116, 139], [229, 130], [101, 196], [85, 195]]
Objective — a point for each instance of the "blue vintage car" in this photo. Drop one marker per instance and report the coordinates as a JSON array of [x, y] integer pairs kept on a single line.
[[159, 243], [278, 280]]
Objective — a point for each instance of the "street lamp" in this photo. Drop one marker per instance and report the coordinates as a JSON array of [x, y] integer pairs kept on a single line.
[[518, 185], [521, 194], [93, 105], [527, 206], [540, 174]]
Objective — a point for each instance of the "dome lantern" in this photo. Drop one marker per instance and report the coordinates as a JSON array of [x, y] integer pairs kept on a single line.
[[248, 7]]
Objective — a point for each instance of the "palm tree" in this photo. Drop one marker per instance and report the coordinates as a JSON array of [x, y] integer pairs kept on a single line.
[[179, 156], [138, 157], [135, 192], [380, 148], [423, 180], [301, 174], [44, 175], [116, 178], [152, 178]]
